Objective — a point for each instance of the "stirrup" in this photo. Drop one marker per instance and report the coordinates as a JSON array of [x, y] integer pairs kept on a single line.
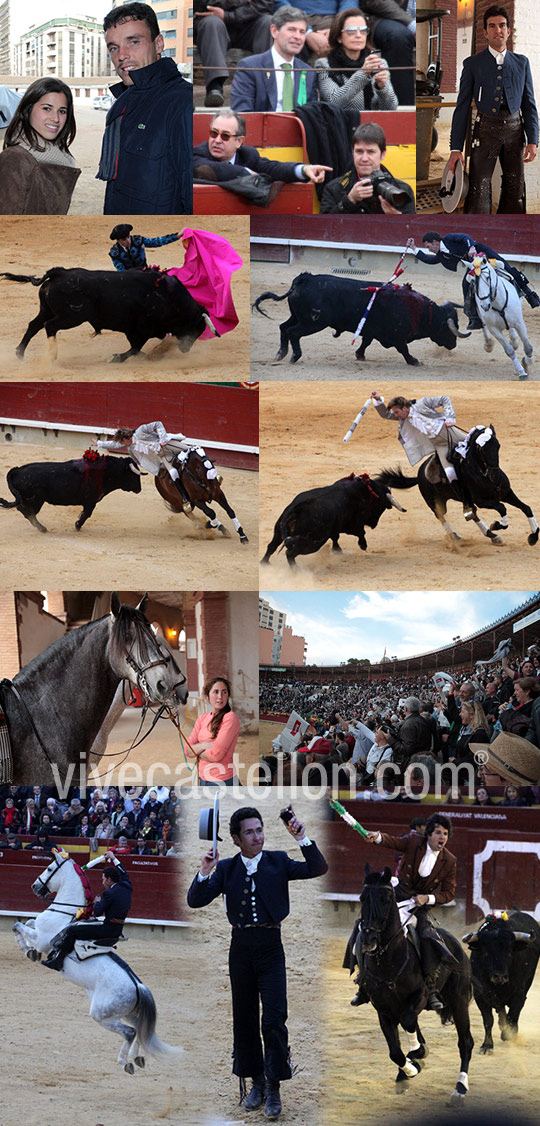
[[187, 507]]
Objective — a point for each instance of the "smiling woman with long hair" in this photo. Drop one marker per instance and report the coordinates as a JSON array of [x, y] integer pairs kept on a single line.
[[214, 736], [354, 76], [37, 171]]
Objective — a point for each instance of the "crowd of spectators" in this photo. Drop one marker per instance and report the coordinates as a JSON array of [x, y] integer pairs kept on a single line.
[[406, 719], [137, 820]]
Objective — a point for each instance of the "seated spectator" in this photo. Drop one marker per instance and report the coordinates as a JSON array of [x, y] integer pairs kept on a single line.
[[513, 796], [123, 848], [53, 812], [118, 812], [156, 794], [10, 817], [167, 831], [393, 29], [47, 824], [12, 840], [381, 752], [275, 80], [42, 842], [234, 23], [71, 818], [124, 829], [170, 807], [104, 831], [150, 802], [97, 812], [30, 820], [149, 831], [84, 828], [518, 720], [483, 797], [175, 849], [161, 848], [368, 187], [140, 848], [224, 158], [414, 737], [453, 796], [367, 87]]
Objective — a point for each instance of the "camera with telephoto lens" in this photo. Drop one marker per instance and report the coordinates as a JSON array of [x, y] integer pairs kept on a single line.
[[386, 188]]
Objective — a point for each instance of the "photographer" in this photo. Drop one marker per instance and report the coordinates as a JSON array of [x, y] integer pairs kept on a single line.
[[368, 188]]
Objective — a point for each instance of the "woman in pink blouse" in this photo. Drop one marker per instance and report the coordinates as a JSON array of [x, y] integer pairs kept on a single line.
[[214, 736]]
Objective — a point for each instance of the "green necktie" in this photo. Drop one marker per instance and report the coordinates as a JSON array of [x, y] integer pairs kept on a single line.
[[287, 97]]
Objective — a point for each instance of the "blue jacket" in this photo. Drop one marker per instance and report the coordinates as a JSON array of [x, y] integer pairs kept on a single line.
[[271, 881], [134, 257], [153, 162], [115, 901], [247, 157], [457, 248], [255, 90], [485, 81]]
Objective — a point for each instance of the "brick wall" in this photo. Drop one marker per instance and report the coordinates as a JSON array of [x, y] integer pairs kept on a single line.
[[449, 45], [9, 638], [215, 647]]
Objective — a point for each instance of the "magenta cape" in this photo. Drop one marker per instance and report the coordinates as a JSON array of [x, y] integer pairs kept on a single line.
[[210, 260]]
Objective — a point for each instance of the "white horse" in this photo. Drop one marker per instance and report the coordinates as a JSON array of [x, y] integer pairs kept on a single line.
[[499, 309], [118, 1000]]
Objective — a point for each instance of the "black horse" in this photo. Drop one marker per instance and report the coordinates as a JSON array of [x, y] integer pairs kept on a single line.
[[200, 490], [394, 981], [480, 479]]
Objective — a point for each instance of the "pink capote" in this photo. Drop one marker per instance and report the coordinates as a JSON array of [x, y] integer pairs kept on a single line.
[[210, 260]]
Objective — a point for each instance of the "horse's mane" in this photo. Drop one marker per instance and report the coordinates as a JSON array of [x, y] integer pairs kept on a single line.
[[58, 653], [131, 628]]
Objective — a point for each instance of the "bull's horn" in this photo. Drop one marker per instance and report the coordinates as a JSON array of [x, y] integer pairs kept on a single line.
[[210, 325], [524, 936], [135, 469], [471, 938], [456, 332], [395, 503]]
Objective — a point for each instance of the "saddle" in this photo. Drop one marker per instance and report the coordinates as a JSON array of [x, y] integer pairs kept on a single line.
[[88, 948]]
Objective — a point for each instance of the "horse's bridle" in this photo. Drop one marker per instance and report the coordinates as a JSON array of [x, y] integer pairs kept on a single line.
[[45, 883], [492, 295], [140, 670]]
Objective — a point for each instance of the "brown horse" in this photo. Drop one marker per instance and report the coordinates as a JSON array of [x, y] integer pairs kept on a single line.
[[200, 490]]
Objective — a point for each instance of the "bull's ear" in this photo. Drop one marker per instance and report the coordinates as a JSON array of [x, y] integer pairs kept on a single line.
[[143, 603], [115, 604], [470, 939]]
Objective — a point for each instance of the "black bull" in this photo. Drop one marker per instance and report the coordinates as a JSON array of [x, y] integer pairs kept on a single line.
[[142, 304], [69, 482], [315, 516], [397, 316], [504, 956]]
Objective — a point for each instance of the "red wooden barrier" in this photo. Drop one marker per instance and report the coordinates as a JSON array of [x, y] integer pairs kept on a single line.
[[201, 410], [155, 879], [498, 852]]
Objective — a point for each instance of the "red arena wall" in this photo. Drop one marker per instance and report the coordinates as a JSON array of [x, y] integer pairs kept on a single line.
[[211, 412]]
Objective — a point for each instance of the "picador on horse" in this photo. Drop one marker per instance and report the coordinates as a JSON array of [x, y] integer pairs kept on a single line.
[[152, 447], [113, 903], [426, 877]]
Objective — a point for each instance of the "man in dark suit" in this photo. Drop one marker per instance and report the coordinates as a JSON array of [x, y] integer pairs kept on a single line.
[[276, 80], [500, 82], [256, 886], [225, 157], [426, 877], [454, 248]]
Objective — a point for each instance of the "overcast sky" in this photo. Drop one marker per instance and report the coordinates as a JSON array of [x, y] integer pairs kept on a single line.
[[339, 625], [30, 12]]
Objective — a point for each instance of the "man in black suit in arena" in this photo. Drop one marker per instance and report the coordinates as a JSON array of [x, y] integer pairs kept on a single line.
[[256, 885]]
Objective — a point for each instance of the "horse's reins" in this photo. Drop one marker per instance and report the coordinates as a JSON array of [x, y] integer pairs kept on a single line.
[[44, 884]]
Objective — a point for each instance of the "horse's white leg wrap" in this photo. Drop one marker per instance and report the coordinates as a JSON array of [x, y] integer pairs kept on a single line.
[[463, 1078], [450, 472], [237, 525], [483, 527], [414, 1042], [215, 523], [410, 1069], [503, 521], [533, 523]]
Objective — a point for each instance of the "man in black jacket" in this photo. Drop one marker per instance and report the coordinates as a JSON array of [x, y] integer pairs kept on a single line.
[[149, 129], [256, 886], [225, 158], [114, 904], [368, 188]]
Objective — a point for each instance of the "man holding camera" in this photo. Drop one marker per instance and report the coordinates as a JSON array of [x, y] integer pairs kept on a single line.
[[255, 886], [368, 188]]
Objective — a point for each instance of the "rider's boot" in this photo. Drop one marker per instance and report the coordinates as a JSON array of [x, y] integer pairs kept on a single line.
[[55, 960], [434, 1002], [469, 307], [531, 297], [186, 503], [361, 996]]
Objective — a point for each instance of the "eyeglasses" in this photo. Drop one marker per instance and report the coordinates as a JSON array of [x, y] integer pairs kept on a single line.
[[353, 30], [224, 133]]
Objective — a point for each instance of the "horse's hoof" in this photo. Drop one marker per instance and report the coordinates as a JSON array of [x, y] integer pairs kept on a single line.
[[524, 376], [224, 531], [496, 540], [140, 1061], [509, 1032], [244, 539], [32, 955], [129, 1069], [419, 1053], [532, 539], [485, 1048]]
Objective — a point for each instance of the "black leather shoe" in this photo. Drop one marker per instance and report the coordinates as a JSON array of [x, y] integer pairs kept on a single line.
[[434, 1003], [55, 962], [474, 323], [214, 98], [532, 298], [361, 998], [272, 1106], [254, 1100]]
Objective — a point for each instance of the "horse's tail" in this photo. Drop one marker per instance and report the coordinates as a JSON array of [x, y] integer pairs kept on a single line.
[[144, 1016], [24, 278], [396, 479]]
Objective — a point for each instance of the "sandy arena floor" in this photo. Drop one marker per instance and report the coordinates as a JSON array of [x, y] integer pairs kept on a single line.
[[34, 244], [115, 540], [302, 447], [323, 357], [358, 1072]]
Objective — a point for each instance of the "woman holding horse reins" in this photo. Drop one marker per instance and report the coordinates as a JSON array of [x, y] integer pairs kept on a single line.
[[151, 447], [426, 426], [213, 739], [114, 903]]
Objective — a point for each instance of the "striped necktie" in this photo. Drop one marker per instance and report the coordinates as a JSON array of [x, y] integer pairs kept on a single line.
[[287, 96]]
